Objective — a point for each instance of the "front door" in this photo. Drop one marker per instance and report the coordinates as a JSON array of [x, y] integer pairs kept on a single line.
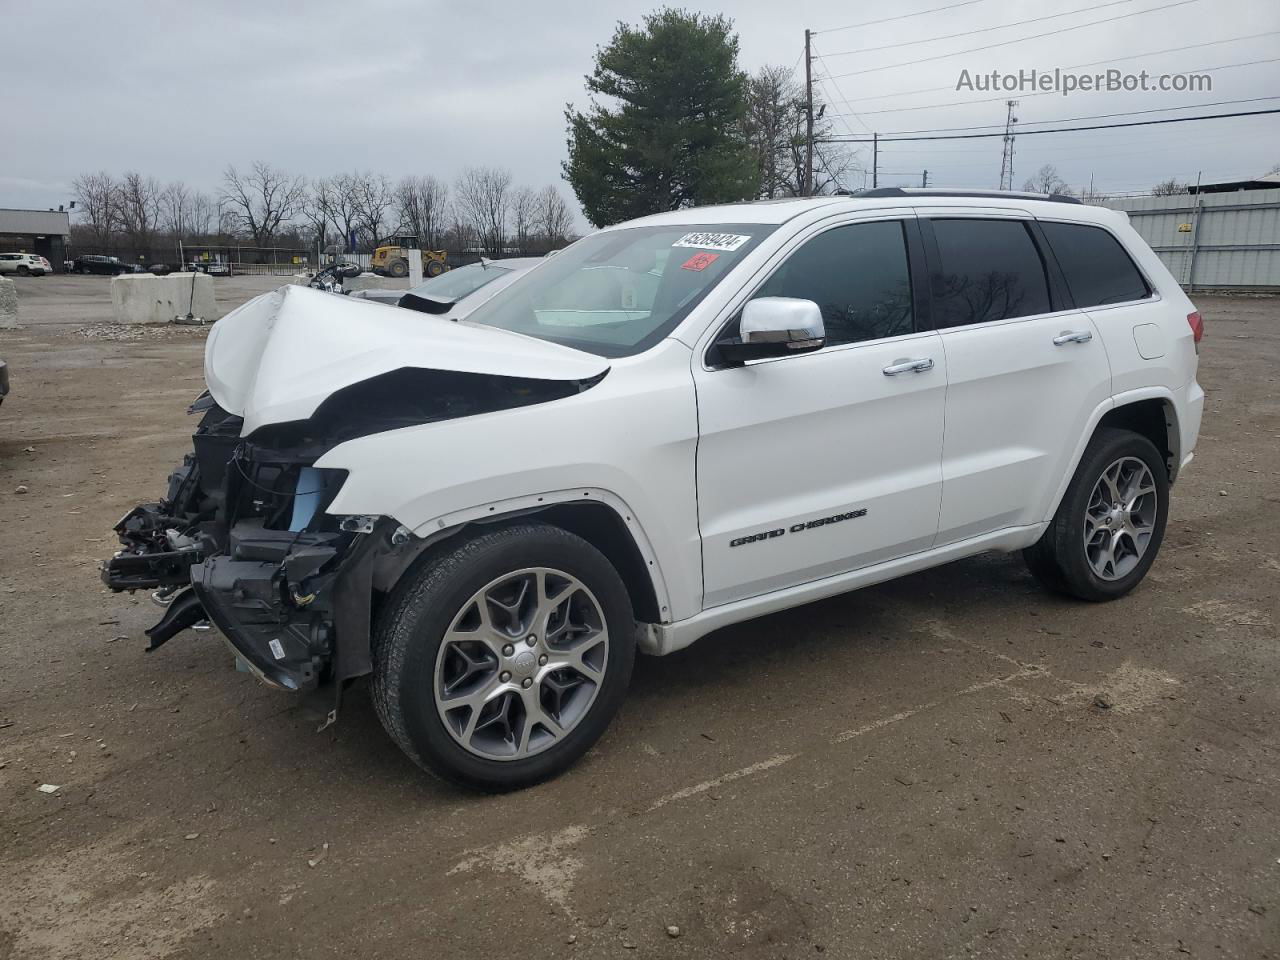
[[821, 463]]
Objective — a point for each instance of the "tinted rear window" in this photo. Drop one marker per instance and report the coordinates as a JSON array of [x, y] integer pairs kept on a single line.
[[989, 270], [1097, 268]]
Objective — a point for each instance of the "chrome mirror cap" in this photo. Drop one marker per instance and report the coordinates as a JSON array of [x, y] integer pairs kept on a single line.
[[783, 320]]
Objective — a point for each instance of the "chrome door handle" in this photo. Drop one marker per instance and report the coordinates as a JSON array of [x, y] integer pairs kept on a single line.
[[1072, 336], [909, 366]]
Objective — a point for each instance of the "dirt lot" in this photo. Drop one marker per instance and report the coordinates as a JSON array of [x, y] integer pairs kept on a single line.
[[955, 764]]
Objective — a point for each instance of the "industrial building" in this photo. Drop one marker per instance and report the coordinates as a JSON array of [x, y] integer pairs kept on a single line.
[[44, 232]]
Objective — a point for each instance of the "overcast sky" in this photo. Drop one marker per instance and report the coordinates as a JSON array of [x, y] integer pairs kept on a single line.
[[181, 90]]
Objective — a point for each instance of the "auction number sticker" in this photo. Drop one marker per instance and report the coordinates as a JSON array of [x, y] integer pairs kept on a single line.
[[728, 242]]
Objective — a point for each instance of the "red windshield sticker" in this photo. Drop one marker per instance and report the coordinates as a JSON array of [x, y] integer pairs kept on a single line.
[[700, 261]]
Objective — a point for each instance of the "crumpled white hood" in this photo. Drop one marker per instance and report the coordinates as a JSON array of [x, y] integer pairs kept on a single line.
[[277, 357]]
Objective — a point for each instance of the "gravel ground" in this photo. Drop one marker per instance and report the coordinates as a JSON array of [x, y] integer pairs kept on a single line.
[[954, 764]]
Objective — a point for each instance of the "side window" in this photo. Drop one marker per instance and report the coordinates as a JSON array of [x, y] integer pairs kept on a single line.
[[989, 270], [1097, 268], [858, 275]]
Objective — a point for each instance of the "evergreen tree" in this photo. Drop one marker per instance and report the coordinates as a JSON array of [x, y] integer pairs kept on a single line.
[[675, 138]]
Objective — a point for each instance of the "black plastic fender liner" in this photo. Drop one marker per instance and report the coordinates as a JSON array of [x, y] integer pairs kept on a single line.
[[353, 607], [185, 610]]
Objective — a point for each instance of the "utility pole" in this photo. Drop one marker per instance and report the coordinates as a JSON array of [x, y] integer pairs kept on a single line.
[[808, 108], [1006, 155], [924, 179], [875, 160]]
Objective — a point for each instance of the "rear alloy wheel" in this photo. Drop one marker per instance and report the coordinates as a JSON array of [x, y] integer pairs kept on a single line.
[[499, 663], [1108, 528], [24, 271]]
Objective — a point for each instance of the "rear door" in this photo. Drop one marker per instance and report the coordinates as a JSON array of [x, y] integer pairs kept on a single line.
[[1026, 369], [816, 464]]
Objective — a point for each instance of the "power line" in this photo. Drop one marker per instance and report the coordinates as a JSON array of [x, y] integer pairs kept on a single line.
[[1077, 66], [1006, 43], [905, 16], [1096, 116], [889, 138], [1043, 93], [969, 33]]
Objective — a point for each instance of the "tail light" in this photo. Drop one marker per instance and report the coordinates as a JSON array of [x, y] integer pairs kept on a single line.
[[1197, 327]]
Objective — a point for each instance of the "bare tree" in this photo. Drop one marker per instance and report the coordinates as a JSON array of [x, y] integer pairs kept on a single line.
[[422, 204], [177, 206], [337, 195], [139, 210], [373, 197], [262, 199], [553, 216], [98, 197], [1047, 180], [524, 213], [1168, 188], [316, 214], [484, 194], [776, 129]]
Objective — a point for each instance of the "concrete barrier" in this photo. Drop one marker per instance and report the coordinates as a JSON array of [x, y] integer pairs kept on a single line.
[[8, 303], [145, 298]]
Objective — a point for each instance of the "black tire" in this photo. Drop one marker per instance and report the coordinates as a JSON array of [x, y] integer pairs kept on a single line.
[[399, 268], [422, 607], [1058, 559], [434, 268], [24, 271]]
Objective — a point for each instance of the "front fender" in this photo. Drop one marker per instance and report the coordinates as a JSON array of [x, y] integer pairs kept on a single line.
[[629, 441]]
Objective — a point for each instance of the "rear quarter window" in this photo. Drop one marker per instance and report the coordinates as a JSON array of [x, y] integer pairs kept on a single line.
[[1098, 270]]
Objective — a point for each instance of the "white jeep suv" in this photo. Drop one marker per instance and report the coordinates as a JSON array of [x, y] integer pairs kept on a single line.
[[24, 264], [675, 424]]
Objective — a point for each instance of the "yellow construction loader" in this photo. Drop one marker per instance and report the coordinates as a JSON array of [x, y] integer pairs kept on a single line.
[[391, 258]]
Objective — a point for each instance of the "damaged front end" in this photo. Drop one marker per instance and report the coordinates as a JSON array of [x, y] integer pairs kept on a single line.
[[242, 539]]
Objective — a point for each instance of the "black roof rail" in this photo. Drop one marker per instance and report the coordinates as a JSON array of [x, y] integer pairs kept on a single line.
[[973, 194]]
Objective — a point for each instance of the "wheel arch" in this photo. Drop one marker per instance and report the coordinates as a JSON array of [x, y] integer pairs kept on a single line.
[[1155, 418], [597, 516], [1149, 412]]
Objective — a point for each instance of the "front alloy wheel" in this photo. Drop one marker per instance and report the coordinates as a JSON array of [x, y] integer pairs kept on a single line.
[[499, 661], [521, 663]]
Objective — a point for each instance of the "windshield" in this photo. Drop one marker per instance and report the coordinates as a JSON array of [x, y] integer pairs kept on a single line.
[[456, 284], [618, 293]]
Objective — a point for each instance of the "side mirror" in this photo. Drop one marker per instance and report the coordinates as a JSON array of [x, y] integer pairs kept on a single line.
[[775, 327]]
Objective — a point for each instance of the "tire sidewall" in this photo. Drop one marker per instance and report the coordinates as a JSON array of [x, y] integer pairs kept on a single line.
[[1106, 450], [421, 623]]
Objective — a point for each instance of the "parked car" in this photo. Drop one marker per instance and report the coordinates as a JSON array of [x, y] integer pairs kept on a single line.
[[159, 269], [4, 380], [457, 292], [24, 264], [674, 425], [110, 266]]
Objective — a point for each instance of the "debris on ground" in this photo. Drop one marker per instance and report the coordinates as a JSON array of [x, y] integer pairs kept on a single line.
[[324, 852], [49, 787], [673, 931], [20, 488]]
